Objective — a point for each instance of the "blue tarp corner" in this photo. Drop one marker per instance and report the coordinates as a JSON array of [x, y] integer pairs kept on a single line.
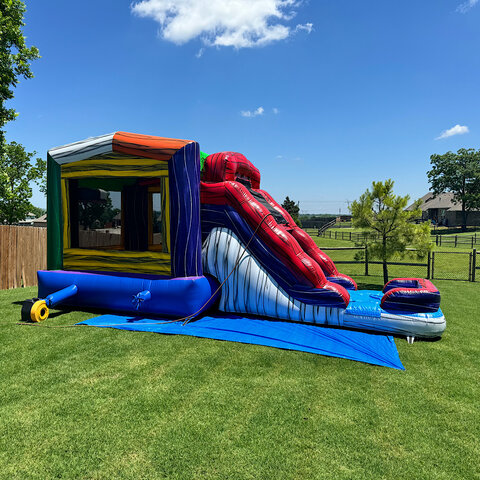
[[359, 346]]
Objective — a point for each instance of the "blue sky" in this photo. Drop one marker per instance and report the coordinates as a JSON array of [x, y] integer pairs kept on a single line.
[[322, 96]]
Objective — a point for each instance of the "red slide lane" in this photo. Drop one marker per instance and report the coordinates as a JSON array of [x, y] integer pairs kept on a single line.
[[278, 237], [306, 242]]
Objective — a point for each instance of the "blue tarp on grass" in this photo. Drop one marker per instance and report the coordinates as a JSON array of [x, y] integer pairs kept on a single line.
[[363, 347]]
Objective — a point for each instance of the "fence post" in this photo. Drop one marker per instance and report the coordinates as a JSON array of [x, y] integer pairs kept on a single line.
[[470, 260], [474, 263], [472, 241], [436, 240], [350, 236], [456, 240], [335, 234], [366, 261], [433, 265], [429, 263]]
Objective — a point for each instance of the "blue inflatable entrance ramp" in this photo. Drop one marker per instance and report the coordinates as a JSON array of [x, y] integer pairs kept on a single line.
[[362, 347]]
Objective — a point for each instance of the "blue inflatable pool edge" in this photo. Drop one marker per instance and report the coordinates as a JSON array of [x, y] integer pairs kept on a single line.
[[364, 347]]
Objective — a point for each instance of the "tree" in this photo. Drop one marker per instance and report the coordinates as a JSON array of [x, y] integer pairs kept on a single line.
[[15, 57], [37, 211], [388, 225], [293, 209], [458, 173], [96, 214], [16, 173]]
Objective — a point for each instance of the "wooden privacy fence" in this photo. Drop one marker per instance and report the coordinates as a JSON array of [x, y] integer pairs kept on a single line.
[[23, 251], [94, 238]]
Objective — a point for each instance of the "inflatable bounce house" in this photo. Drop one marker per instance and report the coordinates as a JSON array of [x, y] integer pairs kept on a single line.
[[152, 228]]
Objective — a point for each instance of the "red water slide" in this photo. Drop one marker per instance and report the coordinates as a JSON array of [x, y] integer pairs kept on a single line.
[[310, 247], [228, 178]]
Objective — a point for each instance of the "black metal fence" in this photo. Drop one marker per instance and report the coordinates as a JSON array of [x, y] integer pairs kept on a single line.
[[465, 241], [462, 241], [454, 265], [436, 265], [356, 237]]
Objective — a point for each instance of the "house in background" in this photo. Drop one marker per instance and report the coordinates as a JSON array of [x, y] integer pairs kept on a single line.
[[442, 210], [40, 221], [33, 221], [28, 220]]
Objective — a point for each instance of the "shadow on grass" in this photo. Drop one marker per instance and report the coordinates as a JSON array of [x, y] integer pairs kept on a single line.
[[19, 302]]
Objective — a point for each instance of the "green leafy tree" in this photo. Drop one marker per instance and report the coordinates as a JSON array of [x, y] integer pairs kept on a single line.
[[458, 173], [16, 173], [388, 226], [37, 211], [293, 209], [96, 214], [15, 57]]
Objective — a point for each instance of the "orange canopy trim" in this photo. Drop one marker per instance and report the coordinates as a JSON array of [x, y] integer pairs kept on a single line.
[[159, 148], [131, 144]]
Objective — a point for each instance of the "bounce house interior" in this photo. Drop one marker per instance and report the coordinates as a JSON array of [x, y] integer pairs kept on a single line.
[[160, 237]]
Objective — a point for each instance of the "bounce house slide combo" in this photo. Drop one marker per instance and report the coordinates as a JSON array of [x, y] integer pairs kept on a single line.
[[153, 227]]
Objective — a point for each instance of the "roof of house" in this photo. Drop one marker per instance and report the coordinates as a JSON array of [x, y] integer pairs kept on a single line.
[[442, 200]]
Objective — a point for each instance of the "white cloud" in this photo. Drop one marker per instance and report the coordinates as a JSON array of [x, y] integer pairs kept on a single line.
[[275, 111], [466, 6], [308, 27], [228, 23], [254, 113], [456, 130]]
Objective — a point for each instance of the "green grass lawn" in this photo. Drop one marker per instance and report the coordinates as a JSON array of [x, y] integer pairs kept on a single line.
[[90, 403]]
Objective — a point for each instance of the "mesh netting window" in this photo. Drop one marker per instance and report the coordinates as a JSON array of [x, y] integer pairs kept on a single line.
[[118, 214]]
